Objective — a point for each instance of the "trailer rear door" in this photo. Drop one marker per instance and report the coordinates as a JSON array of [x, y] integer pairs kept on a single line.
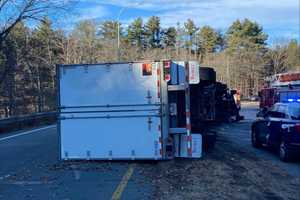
[[110, 111]]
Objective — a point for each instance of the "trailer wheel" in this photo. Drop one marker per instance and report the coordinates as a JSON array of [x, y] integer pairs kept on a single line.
[[209, 140], [207, 74]]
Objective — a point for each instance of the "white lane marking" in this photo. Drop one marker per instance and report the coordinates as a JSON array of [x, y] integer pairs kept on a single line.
[[27, 132], [24, 183]]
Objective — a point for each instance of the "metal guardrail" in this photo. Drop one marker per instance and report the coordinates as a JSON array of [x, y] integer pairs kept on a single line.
[[19, 122]]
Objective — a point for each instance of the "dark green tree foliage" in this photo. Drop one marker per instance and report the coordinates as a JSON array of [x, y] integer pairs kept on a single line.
[[9, 49], [153, 32], [135, 33], [246, 34], [14, 52], [209, 39], [43, 43], [169, 37], [30, 82], [43, 58], [28, 56], [246, 46]]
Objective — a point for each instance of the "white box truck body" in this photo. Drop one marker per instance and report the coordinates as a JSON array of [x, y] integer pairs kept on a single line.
[[120, 111]]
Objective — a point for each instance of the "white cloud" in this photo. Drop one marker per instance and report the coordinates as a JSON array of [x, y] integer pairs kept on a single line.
[[170, 4], [94, 12], [272, 14]]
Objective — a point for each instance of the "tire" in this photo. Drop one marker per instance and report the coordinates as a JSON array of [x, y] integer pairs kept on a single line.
[[207, 74], [284, 153], [254, 139], [209, 140]]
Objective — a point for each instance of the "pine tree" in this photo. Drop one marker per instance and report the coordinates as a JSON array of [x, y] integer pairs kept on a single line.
[[13, 54], [246, 34], [153, 32], [169, 38], [135, 33], [209, 39], [44, 56]]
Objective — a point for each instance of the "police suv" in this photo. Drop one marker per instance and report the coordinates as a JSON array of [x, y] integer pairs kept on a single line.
[[279, 128]]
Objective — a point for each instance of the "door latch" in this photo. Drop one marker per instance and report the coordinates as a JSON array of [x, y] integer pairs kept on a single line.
[[149, 97]]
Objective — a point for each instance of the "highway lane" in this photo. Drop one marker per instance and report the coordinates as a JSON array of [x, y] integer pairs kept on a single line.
[[19, 149], [30, 169], [239, 134]]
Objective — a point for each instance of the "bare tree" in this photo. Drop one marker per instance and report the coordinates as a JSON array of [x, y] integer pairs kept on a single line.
[[13, 12], [277, 59]]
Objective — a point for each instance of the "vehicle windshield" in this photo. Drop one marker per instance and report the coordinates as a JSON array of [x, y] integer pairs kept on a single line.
[[278, 111], [281, 110], [294, 111]]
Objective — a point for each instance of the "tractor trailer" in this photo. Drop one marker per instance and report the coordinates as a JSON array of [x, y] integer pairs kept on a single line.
[[150, 110]]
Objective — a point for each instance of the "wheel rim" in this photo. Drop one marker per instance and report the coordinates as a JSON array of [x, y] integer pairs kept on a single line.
[[282, 150]]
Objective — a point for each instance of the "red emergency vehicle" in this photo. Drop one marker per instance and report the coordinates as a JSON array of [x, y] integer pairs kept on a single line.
[[283, 87]]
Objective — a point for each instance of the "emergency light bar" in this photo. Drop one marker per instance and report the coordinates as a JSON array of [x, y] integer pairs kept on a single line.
[[293, 100]]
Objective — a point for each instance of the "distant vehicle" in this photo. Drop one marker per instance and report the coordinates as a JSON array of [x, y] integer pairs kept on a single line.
[[280, 88], [279, 128], [254, 98]]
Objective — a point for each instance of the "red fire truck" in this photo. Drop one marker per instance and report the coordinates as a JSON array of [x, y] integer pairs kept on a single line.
[[283, 87]]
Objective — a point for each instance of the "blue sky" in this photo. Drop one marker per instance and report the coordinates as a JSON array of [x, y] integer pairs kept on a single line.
[[280, 18]]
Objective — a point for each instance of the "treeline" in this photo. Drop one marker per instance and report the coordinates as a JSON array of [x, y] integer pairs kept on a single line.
[[240, 55]]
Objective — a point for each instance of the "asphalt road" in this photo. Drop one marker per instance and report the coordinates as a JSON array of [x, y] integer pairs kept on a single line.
[[238, 134], [30, 169]]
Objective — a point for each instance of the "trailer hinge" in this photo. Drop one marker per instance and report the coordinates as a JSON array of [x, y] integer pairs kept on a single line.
[[107, 67], [66, 155], [132, 154], [88, 155], [86, 69], [149, 123], [149, 97], [110, 155], [130, 67]]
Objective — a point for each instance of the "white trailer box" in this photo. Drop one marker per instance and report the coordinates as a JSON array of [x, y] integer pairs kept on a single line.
[[114, 111]]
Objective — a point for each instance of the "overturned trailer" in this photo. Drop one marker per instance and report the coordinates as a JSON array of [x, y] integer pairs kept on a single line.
[[152, 110]]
